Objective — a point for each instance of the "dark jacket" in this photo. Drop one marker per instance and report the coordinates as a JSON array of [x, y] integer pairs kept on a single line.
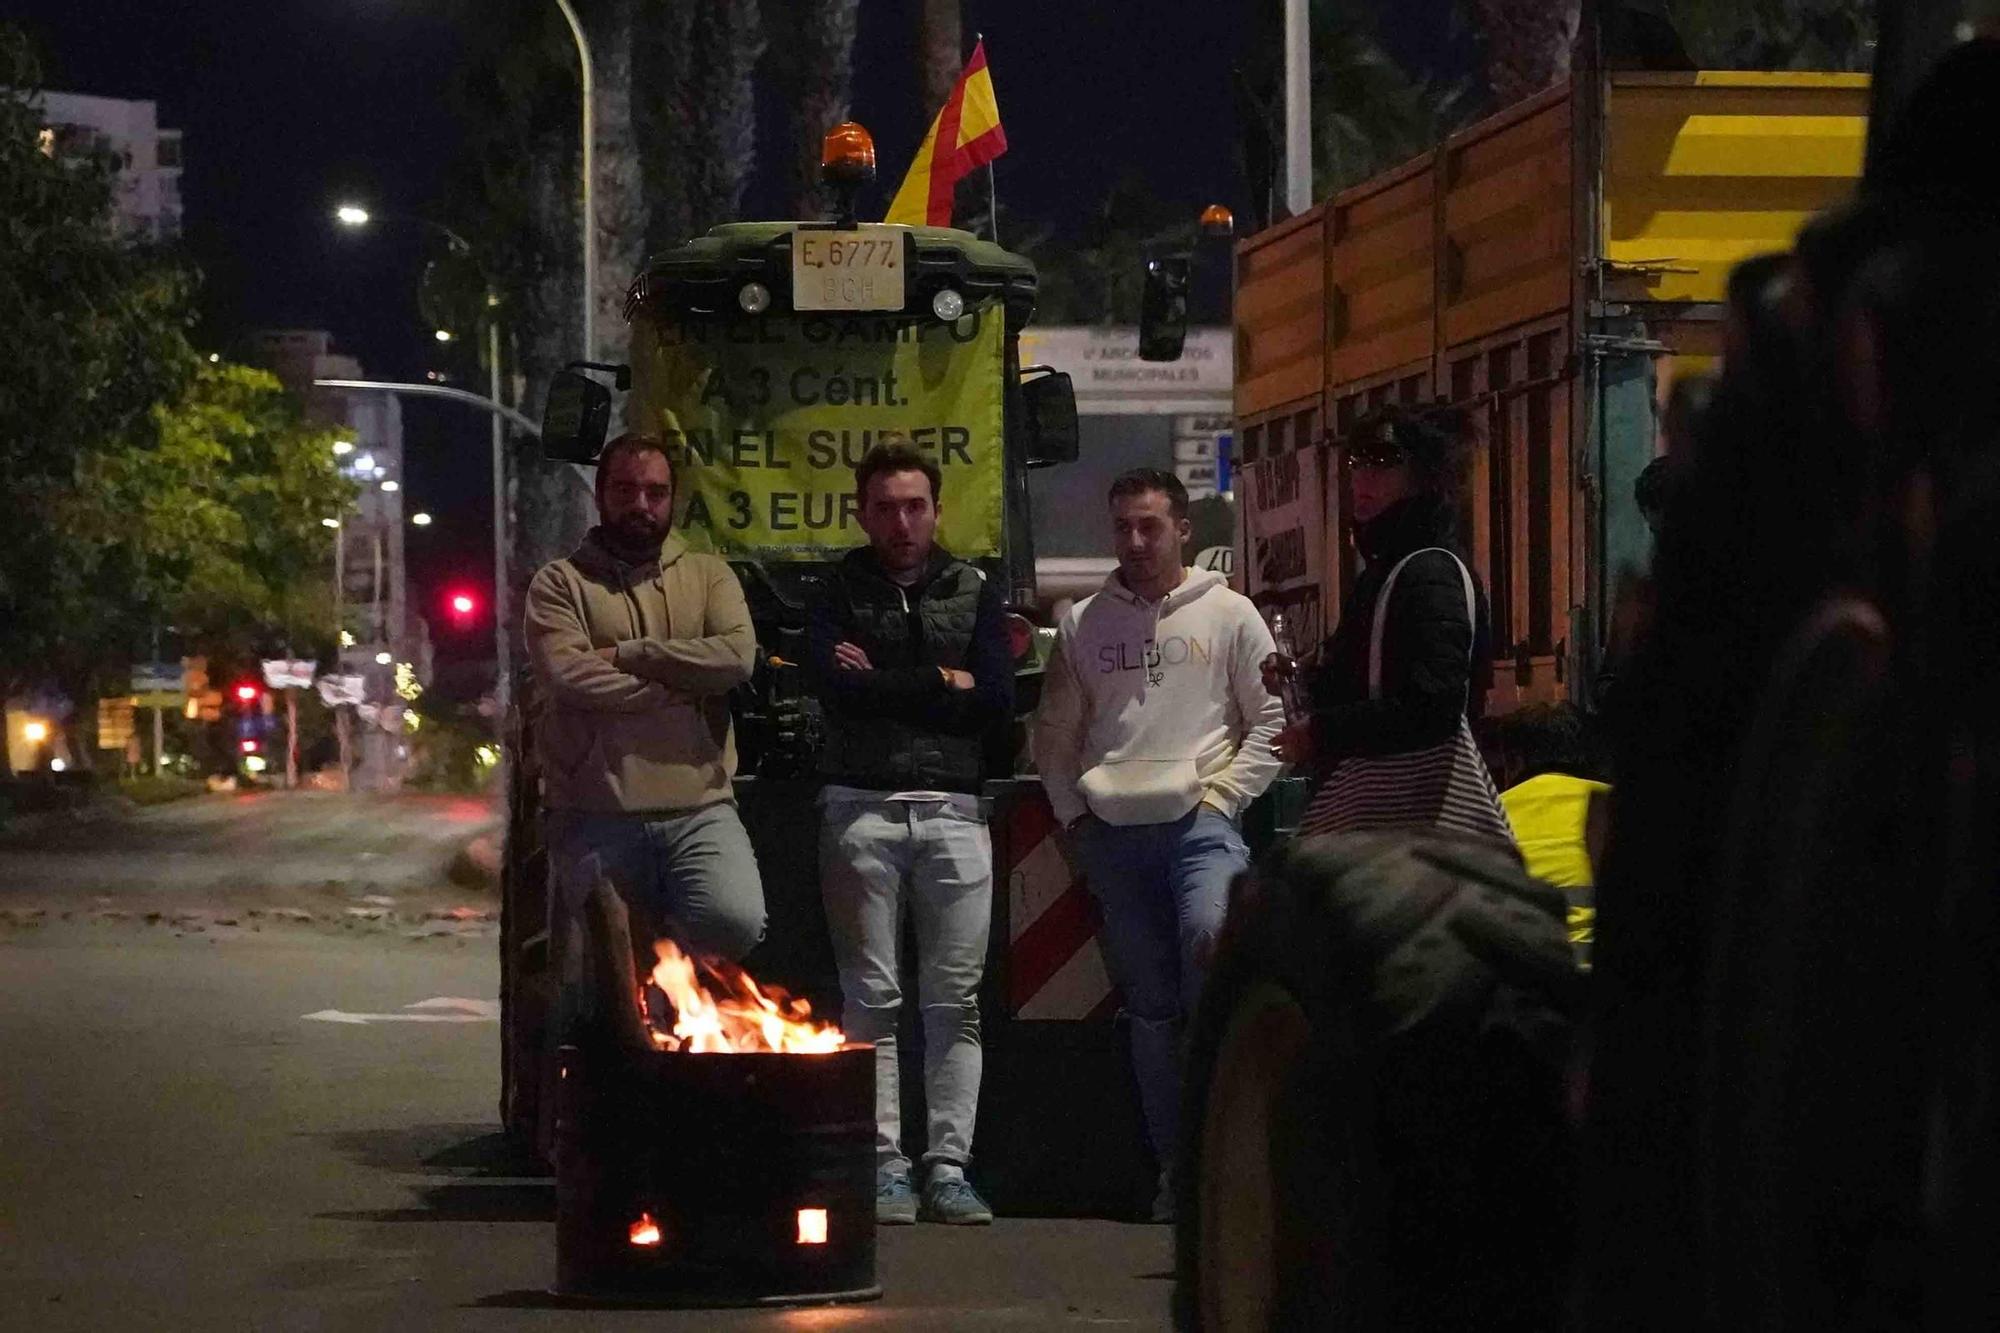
[[1428, 649], [899, 726]]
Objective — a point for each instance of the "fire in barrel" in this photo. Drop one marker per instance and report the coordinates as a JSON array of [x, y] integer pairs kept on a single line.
[[714, 1143]]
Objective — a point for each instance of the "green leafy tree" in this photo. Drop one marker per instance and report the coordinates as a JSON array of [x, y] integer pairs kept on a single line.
[[214, 525], [92, 336]]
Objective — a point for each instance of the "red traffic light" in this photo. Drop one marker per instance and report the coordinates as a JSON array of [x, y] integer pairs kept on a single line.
[[247, 693], [462, 603], [249, 747]]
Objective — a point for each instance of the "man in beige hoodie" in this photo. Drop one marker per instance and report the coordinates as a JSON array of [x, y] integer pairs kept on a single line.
[[636, 641]]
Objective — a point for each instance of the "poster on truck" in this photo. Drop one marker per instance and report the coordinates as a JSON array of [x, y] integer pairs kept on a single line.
[[1285, 520], [764, 421]]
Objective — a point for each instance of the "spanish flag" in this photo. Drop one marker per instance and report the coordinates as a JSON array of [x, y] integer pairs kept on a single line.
[[966, 134]]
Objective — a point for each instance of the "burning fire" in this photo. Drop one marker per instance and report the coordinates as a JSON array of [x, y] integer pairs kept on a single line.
[[744, 1017]]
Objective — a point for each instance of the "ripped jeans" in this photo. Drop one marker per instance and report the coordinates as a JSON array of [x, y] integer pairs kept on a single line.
[[878, 859], [1163, 889]]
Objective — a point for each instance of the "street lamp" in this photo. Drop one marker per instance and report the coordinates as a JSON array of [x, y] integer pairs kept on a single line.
[[353, 215], [589, 207], [421, 519]]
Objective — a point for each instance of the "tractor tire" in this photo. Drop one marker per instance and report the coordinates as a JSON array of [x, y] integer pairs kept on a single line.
[[1374, 1134]]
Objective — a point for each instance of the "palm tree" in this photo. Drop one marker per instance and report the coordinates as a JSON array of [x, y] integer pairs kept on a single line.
[[811, 58], [1527, 44], [696, 110]]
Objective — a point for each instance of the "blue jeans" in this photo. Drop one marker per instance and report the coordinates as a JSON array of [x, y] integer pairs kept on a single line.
[[876, 859], [1162, 889], [688, 874]]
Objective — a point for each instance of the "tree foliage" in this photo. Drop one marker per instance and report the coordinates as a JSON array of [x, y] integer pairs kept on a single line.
[[1369, 113], [146, 486], [91, 338], [1777, 34]]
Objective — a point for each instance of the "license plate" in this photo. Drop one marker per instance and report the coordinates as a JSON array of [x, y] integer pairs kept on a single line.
[[848, 270]]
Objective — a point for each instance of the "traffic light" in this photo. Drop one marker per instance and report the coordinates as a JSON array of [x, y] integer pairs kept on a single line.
[[463, 604], [248, 746], [246, 693]]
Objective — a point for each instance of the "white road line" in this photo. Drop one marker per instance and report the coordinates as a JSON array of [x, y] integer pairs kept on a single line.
[[437, 1009]]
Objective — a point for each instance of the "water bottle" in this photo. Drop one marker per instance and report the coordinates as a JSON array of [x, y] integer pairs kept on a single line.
[[1288, 664]]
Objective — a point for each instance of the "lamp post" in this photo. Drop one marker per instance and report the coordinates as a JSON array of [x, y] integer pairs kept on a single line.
[[353, 215], [589, 207]]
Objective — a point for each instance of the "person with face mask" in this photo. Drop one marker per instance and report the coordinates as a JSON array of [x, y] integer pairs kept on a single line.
[[636, 642]]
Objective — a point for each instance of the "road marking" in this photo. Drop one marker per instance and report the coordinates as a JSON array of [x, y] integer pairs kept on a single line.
[[437, 1009]]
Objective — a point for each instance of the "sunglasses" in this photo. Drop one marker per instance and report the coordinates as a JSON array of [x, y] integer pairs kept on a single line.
[[1355, 460]]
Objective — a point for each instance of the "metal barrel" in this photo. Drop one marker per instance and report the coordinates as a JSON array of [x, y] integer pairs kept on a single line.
[[757, 1171]]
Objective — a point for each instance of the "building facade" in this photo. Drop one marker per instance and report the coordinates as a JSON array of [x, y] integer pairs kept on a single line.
[[380, 630], [147, 202]]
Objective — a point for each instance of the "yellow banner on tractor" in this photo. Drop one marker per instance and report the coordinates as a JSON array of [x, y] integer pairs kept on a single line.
[[765, 419]]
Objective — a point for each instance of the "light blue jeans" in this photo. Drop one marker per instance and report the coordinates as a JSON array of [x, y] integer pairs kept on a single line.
[[691, 875], [1162, 889], [877, 859]]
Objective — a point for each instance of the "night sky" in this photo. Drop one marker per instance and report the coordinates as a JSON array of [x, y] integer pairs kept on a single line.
[[289, 104]]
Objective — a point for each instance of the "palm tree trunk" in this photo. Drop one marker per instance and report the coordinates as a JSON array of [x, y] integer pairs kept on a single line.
[[1527, 45], [812, 58], [941, 48], [695, 107], [620, 205]]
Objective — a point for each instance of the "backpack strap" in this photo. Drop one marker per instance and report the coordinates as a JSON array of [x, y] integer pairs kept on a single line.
[[1382, 613]]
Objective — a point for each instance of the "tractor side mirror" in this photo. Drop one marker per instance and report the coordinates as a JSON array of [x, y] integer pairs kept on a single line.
[[575, 417], [1048, 404], [1163, 309]]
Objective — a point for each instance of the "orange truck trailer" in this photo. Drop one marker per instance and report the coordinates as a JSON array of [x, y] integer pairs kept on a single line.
[[1552, 271]]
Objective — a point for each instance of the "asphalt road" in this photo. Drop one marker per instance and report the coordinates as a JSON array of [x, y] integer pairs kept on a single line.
[[241, 849], [182, 1147]]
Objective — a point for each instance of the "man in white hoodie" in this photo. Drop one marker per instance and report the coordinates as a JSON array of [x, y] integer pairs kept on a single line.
[[1154, 733]]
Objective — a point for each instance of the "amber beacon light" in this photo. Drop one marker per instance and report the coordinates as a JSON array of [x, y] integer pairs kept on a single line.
[[847, 155]]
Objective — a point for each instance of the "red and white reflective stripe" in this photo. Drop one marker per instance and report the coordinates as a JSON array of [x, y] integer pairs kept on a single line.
[[1055, 969]]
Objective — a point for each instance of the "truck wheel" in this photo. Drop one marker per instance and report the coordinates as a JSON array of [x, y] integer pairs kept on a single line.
[[1270, 1229], [1373, 1130], [1244, 1218]]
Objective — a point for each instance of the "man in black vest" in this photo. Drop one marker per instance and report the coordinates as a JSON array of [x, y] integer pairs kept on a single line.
[[909, 655]]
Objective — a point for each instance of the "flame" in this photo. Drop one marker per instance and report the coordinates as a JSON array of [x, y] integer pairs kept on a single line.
[[745, 1017], [645, 1231]]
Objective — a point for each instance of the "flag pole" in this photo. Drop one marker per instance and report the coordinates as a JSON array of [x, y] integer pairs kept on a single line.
[[992, 194]]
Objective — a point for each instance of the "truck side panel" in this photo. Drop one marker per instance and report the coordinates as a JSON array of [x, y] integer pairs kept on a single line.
[[1457, 278], [1704, 170], [1504, 221], [1382, 278], [1281, 315]]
